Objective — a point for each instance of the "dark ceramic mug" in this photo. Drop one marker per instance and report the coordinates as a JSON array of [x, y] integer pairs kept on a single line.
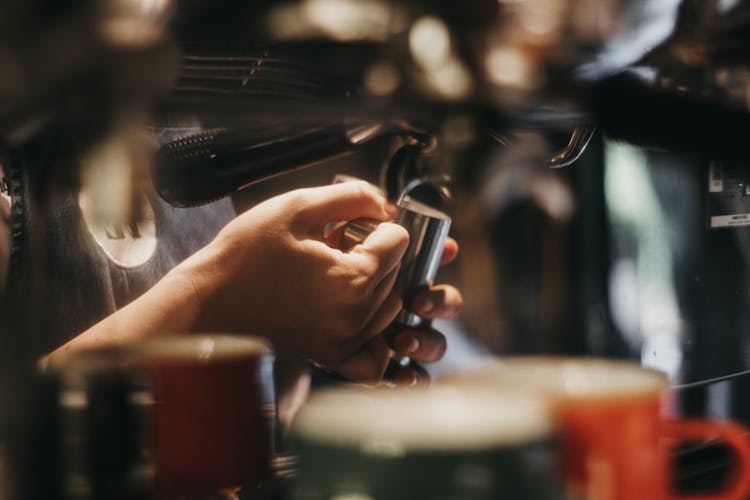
[[213, 412], [432, 445]]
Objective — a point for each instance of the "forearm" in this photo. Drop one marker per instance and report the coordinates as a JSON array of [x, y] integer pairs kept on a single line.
[[170, 306]]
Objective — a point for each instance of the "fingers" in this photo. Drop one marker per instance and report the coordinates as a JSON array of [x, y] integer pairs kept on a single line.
[[410, 375], [439, 301], [388, 302], [343, 201], [382, 317], [424, 345], [450, 251], [368, 364], [381, 252]]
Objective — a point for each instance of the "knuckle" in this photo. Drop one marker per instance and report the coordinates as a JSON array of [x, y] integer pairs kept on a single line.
[[300, 198], [360, 272], [351, 284], [359, 282], [362, 286], [362, 188]]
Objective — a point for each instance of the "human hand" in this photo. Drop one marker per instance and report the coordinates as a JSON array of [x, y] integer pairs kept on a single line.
[[423, 345], [270, 272]]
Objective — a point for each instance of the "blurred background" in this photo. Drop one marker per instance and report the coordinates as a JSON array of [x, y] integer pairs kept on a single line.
[[592, 154]]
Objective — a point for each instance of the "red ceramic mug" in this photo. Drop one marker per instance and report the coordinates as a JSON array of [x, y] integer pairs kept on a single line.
[[213, 412], [615, 443]]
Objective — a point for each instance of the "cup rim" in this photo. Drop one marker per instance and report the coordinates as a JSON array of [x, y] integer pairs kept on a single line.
[[204, 347], [643, 382], [438, 419]]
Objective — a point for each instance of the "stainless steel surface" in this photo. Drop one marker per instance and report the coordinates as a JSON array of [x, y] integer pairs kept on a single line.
[[356, 231], [428, 229], [579, 139]]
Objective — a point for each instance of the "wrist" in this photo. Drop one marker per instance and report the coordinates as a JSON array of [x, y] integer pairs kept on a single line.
[[201, 277]]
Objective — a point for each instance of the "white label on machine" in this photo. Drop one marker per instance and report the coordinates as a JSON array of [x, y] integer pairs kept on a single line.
[[730, 220], [715, 178]]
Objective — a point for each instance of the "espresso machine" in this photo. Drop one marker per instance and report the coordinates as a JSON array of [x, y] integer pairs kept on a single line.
[[535, 114], [591, 153]]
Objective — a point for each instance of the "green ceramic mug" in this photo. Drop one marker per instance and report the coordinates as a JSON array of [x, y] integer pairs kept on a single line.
[[441, 444]]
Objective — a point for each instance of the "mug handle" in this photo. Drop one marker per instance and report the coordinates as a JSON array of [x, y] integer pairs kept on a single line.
[[734, 435]]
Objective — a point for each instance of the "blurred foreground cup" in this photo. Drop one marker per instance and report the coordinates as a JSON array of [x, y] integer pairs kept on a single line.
[[438, 444], [213, 412], [93, 432], [174, 417], [615, 442]]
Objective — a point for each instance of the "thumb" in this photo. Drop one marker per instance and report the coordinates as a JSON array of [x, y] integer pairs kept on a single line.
[[381, 251], [343, 202]]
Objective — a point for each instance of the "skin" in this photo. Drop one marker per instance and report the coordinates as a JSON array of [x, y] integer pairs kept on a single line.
[[270, 272]]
